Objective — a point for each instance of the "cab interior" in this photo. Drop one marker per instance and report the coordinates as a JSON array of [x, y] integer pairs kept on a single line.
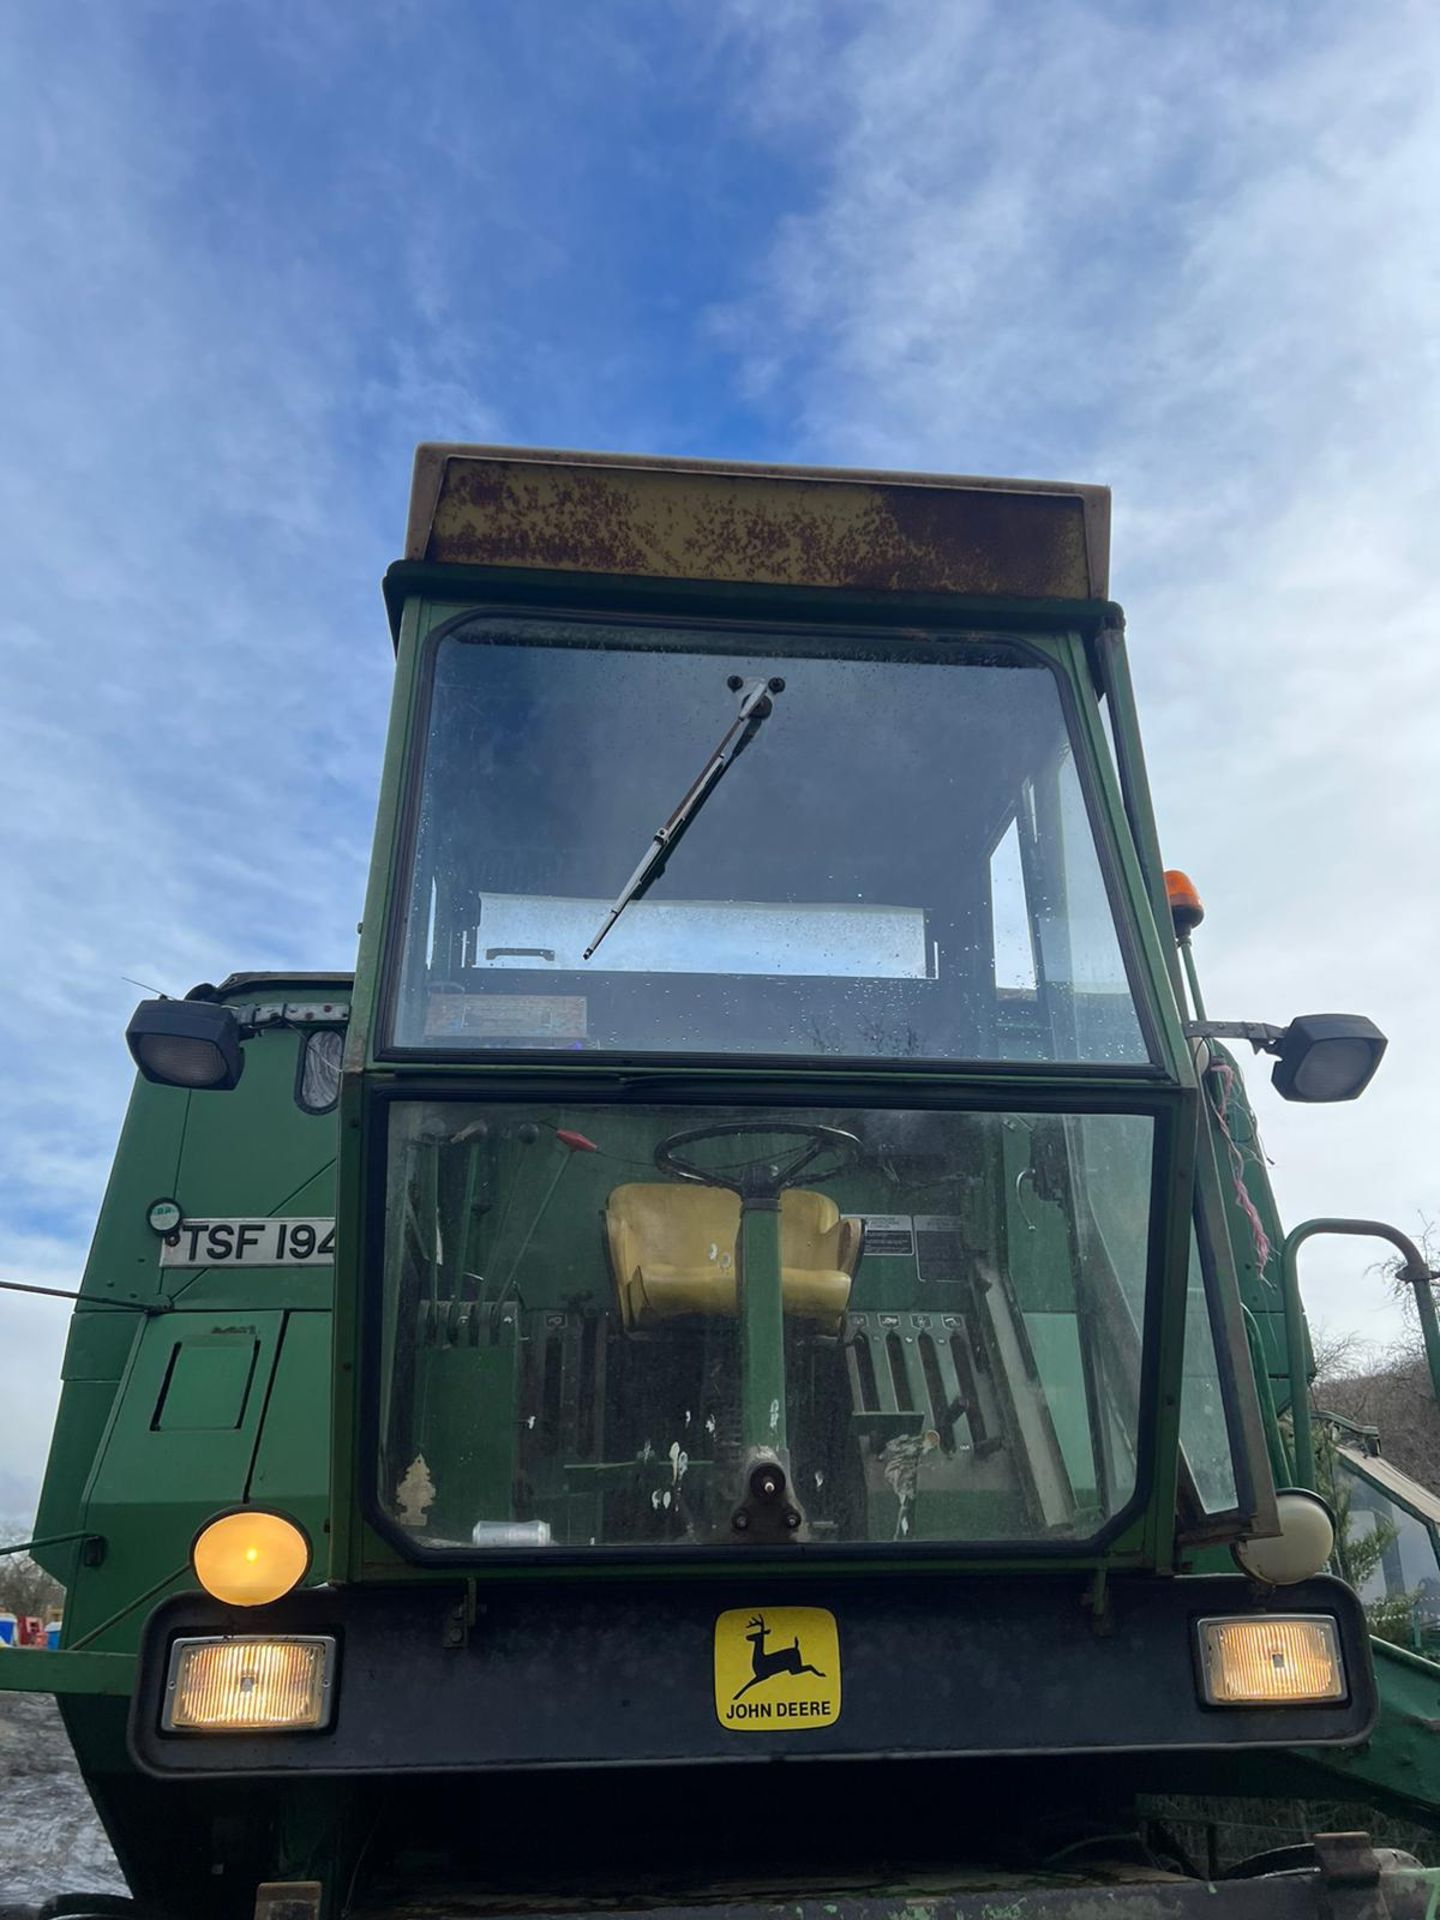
[[562, 1337]]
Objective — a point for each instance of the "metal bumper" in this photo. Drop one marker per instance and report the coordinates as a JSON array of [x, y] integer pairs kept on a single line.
[[629, 1674]]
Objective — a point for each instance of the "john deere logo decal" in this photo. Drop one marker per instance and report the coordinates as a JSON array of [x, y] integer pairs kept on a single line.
[[779, 1668]]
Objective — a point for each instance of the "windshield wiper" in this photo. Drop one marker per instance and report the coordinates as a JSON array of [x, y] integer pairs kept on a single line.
[[757, 703]]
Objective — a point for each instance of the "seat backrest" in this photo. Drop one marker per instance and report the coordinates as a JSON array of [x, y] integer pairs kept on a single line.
[[672, 1252], [671, 1224], [675, 1225], [808, 1221]]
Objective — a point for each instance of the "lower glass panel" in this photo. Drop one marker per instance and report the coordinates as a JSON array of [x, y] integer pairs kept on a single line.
[[1203, 1429], [1389, 1556], [596, 1332]]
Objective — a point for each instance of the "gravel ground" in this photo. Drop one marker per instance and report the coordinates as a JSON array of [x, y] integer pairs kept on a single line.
[[50, 1839]]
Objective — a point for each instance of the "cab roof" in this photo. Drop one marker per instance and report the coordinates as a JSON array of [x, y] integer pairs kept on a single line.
[[632, 515]]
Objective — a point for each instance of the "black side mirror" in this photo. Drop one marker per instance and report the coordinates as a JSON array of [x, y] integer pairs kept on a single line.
[[186, 1043], [1327, 1056]]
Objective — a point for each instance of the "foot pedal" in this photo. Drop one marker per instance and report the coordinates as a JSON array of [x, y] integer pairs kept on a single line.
[[288, 1900]]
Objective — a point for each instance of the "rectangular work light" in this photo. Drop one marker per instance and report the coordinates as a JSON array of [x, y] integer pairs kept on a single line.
[[1271, 1660], [186, 1043], [1327, 1056], [278, 1683]]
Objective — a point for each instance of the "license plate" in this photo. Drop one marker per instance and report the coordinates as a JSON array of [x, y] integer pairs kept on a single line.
[[249, 1243]]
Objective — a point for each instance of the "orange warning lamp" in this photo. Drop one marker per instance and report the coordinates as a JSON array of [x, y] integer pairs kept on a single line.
[[1186, 908], [250, 1557]]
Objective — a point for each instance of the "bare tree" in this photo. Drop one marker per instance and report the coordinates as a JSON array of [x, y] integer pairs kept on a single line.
[[26, 1588], [1387, 1387]]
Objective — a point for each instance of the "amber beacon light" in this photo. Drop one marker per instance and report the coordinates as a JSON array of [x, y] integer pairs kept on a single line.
[[250, 1557], [1186, 908]]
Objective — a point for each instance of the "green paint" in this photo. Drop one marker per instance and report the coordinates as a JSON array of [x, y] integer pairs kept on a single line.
[[763, 1409], [39, 1670]]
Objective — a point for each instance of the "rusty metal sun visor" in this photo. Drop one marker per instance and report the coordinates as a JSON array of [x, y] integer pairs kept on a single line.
[[639, 517]]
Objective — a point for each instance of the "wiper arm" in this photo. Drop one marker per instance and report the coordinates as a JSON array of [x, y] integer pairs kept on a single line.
[[757, 703]]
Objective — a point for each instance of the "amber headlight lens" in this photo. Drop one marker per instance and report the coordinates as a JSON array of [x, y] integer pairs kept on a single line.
[[274, 1685], [1274, 1660], [247, 1559]]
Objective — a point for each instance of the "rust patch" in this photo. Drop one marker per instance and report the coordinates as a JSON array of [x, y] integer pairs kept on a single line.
[[784, 529]]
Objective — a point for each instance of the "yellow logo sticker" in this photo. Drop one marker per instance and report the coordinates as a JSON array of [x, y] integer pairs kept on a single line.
[[779, 1668]]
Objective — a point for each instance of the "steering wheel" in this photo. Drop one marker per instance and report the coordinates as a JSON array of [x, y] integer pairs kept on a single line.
[[763, 1176]]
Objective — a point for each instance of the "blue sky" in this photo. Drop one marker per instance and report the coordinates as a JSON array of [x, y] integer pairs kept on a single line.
[[255, 253]]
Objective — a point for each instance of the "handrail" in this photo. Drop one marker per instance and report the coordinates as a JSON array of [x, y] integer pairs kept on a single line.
[[1415, 1272], [62, 1671], [46, 1540]]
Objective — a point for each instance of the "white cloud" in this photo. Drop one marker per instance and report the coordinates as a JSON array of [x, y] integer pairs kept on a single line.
[[197, 664], [1192, 254]]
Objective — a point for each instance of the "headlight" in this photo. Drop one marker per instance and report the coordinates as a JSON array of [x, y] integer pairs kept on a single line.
[[249, 1558], [1271, 1660], [279, 1684]]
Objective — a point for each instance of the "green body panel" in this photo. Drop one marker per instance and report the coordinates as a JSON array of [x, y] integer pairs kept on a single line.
[[216, 1392], [96, 1353], [155, 1482], [162, 1410], [1398, 1760], [148, 1159], [289, 1469], [1243, 1168]]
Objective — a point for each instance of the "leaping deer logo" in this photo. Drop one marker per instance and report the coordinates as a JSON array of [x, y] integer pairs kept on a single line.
[[766, 1665]]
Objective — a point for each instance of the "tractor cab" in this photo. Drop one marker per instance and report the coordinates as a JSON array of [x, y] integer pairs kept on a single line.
[[779, 1130]]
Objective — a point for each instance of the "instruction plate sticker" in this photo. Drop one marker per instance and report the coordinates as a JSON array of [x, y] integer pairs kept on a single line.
[[889, 1234], [545, 1017], [265, 1242], [777, 1668]]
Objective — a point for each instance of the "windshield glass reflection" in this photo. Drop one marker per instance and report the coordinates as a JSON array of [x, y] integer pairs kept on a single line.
[[901, 868]]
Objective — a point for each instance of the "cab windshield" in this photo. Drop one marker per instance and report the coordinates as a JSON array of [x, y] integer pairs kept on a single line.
[[894, 861], [598, 1322]]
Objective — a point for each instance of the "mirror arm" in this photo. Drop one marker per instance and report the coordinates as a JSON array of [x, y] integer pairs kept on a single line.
[[1262, 1037], [292, 1013]]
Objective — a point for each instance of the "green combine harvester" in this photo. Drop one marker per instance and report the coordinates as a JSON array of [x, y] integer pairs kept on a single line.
[[746, 1360]]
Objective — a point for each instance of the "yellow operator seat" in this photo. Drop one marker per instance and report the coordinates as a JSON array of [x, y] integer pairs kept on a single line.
[[672, 1250]]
